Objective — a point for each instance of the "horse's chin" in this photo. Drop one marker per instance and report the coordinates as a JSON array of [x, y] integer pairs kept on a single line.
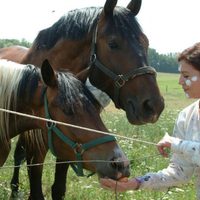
[[117, 176], [137, 118], [132, 114], [134, 119]]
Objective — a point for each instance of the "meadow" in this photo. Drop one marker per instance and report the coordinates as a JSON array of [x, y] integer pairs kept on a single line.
[[144, 157]]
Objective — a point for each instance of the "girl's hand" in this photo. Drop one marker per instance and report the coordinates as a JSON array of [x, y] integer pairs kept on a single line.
[[164, 145], [121, 185]]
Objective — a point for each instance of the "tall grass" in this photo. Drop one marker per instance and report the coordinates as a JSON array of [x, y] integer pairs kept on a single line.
[[144, 157]]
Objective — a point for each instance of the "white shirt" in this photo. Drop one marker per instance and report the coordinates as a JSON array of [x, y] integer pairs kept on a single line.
[[185, 160]]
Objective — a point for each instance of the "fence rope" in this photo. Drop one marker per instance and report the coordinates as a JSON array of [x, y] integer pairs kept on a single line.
[[72, 161], [75, 126]]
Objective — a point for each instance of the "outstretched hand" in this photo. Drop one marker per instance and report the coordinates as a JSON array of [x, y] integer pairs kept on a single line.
[[164, 145], [120, 185]]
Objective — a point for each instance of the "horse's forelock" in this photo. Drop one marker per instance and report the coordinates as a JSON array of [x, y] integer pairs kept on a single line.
[[127, 26], [126, 22]]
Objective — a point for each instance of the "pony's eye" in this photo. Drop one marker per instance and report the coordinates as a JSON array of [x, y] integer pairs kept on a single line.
[[113, 45]]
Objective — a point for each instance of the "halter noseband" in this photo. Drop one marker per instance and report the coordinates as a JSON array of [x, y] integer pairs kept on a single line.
[[79, 149], [119, 79]]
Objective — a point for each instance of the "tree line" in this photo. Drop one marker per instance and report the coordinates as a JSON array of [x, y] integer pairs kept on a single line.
[[161, 62], [10, 42]]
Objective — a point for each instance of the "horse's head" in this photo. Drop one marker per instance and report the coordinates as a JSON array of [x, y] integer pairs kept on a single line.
[[111, 41], [119, 63], [67, 100]]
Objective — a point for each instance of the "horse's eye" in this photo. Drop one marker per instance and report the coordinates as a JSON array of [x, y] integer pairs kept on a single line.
[[113, 45]]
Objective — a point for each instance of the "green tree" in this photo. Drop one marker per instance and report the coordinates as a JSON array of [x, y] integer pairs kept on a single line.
[[11, 42], [162, 62]]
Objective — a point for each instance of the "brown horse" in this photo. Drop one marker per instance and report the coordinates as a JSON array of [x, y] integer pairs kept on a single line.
[[110, 44], [13, 53], [61, 97]]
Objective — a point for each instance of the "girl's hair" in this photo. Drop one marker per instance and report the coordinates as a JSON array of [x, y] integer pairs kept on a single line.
[[191, 55]]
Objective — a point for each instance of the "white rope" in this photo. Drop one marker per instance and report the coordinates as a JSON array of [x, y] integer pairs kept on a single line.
[[75, 126], [60, 162], [73, 161]]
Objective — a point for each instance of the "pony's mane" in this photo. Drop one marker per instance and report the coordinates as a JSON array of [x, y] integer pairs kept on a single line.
[[19, 82], [10, 75], [76, 24]]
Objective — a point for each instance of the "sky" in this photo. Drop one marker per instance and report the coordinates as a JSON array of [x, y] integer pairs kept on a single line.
[[170, 25]]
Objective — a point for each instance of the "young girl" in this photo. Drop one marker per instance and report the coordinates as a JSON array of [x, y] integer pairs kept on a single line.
[[185, 143]]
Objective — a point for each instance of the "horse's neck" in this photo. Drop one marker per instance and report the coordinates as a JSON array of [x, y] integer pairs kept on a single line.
[[14, 53], [20, 124], [70, 55], [25, 108]]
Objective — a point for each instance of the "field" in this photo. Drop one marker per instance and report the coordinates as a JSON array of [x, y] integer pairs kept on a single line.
[[144, 157]]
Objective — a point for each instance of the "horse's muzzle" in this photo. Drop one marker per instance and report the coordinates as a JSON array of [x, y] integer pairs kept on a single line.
[[146, 111], [115, 168]]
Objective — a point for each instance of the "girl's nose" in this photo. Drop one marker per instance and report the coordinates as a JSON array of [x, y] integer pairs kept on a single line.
[[181, 80]]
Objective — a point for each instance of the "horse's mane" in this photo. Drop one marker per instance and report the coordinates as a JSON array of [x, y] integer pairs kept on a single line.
[[75, 24], [19, 82], [10, 75]]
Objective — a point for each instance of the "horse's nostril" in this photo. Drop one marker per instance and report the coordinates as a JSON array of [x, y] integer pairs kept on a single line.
[[148, 106], [116, 164]]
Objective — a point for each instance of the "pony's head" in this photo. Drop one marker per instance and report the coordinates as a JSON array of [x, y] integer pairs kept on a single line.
[[45, 93], [67, 100]]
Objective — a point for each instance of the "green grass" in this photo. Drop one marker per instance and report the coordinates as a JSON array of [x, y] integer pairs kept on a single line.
[[172, 91], [144, 157]]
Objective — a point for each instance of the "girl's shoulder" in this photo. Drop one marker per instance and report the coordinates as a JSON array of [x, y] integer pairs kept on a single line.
[[190, 108]]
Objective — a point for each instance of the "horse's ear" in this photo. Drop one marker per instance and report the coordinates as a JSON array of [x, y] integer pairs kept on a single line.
[[109, 7], [135, 6], [83, 75], [48, 74]]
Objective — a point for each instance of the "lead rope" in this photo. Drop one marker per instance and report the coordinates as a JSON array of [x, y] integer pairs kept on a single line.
[[116, 197], [116, 194]]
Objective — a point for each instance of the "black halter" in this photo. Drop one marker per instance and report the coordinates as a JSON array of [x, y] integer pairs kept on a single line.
[[119, 79]]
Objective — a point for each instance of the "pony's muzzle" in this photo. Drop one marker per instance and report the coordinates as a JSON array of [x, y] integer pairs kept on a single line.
[[121, 167]]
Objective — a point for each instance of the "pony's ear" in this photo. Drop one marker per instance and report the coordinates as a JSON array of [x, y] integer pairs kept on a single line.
[[83, 75], [109, 7], [135, 6], [48, 74]]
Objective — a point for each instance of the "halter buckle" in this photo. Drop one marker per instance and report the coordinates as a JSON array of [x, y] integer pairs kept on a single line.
[[120, 81], [78, 149], [50, 125], [93, 58]]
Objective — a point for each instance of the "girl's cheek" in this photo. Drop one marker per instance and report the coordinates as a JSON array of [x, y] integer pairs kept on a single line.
[[188, 82], [193, 79]]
